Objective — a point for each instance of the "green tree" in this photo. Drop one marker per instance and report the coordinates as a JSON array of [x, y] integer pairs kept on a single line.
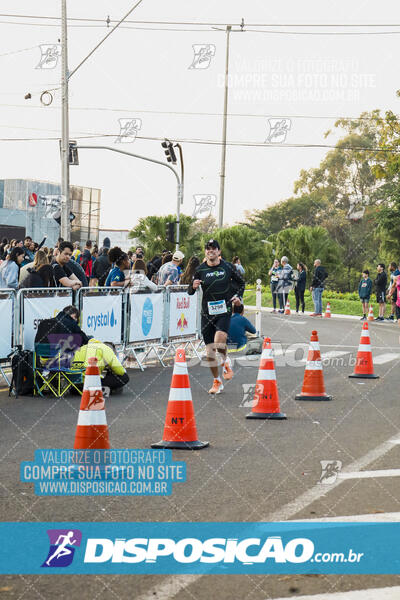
[[151, 233]]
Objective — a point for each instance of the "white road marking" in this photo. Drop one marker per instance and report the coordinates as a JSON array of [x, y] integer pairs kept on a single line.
[[387, 593], [369, 474], [384, 358], [334, 354], [288, 511], [172, 585], [369, 518]]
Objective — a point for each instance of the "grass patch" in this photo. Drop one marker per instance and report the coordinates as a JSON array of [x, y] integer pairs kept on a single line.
[[341, 303]]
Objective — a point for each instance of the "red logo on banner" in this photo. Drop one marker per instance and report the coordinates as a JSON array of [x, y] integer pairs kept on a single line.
[[32, 199]]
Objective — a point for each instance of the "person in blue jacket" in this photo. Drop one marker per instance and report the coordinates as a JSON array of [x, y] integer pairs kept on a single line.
[[364, 292], [238, 327], [300, 286]]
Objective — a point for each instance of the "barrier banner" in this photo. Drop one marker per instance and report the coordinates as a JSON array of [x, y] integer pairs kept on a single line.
[[6, 320], [102, 317], [200, 548], [182, 314], [36, 310], [146, 317]]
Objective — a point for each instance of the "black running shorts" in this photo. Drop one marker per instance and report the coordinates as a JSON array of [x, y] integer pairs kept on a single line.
[[210, 325], [380, 296]]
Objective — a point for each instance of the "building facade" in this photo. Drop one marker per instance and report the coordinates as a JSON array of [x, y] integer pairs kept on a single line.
[[30, 207], [117, 237]]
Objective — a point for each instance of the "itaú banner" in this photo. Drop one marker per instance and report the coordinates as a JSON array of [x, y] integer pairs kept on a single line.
[[182, 314], [146, 317]]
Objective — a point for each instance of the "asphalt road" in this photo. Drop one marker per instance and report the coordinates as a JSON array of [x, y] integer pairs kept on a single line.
[[253, 470]]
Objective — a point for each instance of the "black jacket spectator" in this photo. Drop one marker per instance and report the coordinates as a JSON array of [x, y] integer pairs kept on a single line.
[[42, 278], [78, 271], [381, 281], [319, 277], [101, 267], [301, 282], [61, 325]]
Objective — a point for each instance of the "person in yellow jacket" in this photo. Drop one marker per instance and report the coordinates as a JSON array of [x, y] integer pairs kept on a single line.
[[113, 374]]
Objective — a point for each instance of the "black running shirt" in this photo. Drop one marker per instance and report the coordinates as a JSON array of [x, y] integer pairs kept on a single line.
[[219, 282]]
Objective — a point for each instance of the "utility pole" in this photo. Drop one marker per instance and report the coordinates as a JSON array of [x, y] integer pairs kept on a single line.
[[223, 154], [65, 199]]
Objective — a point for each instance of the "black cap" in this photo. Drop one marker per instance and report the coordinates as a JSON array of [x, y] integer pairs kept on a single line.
[[212, 244]]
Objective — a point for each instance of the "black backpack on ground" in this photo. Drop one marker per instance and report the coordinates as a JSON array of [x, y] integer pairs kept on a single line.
[[22, 373]]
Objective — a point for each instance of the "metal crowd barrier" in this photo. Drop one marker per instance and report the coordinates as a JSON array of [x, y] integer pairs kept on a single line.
[[139, 322], [7, 329]]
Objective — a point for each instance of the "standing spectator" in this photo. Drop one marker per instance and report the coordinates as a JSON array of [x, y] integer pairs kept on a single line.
[[107, 243], [392, 290], [29, 255], [381, 283], [153, 266], [364, 292], [300, 286], [131, 258], [285, 283], [317, 287], [139, 252], [86, 263], [101, 269], [77, 252], [63, 274], [274, 279], [88, 246], [4, 243], [236, 262], [169, 272], [39, 277], [188, 275], [9, 270], [116, 276], [139, 276], [74, 267], [39, 260], [95, 252]]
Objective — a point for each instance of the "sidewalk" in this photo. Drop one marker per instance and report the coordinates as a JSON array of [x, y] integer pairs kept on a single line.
[[307, 313]]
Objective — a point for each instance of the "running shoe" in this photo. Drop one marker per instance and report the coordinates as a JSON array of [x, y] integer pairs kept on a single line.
[[217, 387], [227, 372], [363, 318]]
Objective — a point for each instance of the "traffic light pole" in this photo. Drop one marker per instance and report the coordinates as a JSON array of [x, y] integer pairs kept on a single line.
[[223, 150], [157, 162], [65, 199]]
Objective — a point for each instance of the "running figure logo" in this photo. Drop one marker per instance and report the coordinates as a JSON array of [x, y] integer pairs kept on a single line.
[[329, 471], [62, 547]]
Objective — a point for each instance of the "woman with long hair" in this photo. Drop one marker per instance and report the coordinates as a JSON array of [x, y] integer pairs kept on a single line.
[[300, 286], [39, 260], [9, 270], [41, 277], [188, 274], [139, 276], [87, 262], [120, 260]]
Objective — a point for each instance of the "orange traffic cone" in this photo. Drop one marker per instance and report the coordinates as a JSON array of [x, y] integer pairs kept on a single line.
[[266, 399], [313, 383], [287, 307], [370, 313], [92, 429], [364, 366], [327, 314], [180, 430]]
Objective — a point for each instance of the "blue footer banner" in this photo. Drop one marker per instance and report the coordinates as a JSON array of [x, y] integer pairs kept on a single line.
[[196, 548]]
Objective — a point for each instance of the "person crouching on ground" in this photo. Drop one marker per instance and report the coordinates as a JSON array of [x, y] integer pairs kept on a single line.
[[238, 327], [113, 375]]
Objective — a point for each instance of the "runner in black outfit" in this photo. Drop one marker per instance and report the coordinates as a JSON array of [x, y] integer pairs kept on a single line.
[[222, 286]]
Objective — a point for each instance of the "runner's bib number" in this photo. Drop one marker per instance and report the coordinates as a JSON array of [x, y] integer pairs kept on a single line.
[[217, 307]]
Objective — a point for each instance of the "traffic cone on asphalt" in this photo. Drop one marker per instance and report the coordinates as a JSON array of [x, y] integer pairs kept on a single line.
[[180, 430], [266, 399], [92, 429], [287, 307], [370, 313], [313, 383], [364, 366], [327, 314]]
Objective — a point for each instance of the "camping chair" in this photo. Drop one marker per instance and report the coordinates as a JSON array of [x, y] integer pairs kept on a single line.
[[52, 371]]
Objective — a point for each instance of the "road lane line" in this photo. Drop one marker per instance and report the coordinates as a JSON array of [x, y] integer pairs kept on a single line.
[[318, 491], [385, 358], [369, 474], [369, 518], [334, 354], [387, 593]]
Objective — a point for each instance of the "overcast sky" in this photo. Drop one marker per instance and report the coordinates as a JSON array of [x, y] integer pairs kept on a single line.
[[145, 74]]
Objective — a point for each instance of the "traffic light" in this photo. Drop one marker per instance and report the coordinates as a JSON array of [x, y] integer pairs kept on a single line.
[[169, 151], [73, 153], [57, 216], [170, 232]]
